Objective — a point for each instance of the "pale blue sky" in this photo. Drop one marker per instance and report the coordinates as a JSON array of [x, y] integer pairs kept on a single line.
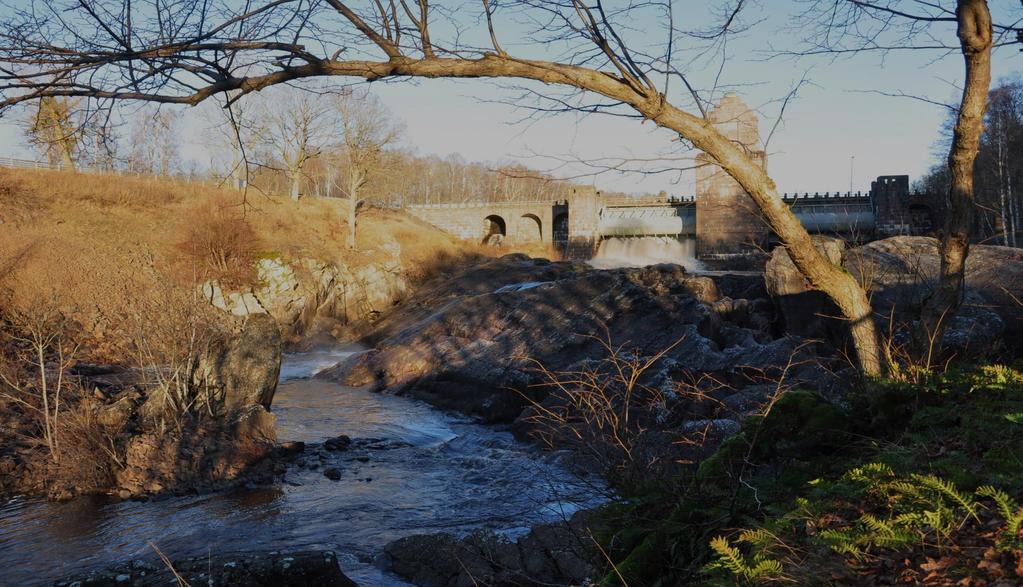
[[831, 121]]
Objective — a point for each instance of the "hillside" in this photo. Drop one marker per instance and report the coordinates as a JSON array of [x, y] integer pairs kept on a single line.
[[98, 243]]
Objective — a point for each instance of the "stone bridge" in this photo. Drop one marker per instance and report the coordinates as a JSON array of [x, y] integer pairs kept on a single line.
[[721, 217]]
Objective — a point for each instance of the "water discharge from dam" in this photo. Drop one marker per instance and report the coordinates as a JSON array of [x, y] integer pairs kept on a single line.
[[646, 250]]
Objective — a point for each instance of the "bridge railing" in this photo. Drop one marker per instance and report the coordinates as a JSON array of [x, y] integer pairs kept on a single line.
[[825, 196]]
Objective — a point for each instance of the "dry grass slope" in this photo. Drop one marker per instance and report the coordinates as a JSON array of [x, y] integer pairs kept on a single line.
[[97, 241]]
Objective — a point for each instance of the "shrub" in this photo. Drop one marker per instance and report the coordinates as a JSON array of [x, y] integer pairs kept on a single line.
[[220, 243]]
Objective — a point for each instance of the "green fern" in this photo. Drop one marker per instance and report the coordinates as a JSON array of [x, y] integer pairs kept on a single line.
[[732, 560], [843, 541], [948, 489], [729, 557], [1010, 510]]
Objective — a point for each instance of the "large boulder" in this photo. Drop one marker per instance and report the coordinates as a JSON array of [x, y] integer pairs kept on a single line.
[[251, 365], [551, 554], [900, 272], [244, 371], [801, 310]]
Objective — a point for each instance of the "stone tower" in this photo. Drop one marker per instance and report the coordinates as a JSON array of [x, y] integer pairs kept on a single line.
[[889, 195], [583, 219], [728, 224]]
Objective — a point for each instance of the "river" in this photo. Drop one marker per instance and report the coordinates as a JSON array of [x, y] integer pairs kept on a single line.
[[428, 471]]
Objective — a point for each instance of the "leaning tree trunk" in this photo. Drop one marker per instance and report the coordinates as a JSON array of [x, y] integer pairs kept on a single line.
[[975, 34]]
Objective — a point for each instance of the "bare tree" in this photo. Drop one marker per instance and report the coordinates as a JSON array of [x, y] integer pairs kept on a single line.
[[53, 130], [856, 26], [294, 126], [188, 51], [154, 141], [367, 129], [234, 132]]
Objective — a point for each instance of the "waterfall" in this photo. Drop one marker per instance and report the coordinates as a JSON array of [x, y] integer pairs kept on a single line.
[[646, 250]]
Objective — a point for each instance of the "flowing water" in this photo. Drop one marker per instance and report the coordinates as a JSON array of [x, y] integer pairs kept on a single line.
[[617, 252], [428, 471]]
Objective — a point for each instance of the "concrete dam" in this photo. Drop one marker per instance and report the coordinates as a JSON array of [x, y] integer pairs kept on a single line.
[[720, 217]]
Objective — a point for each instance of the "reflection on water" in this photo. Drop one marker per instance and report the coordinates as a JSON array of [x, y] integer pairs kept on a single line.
[[429, 472]]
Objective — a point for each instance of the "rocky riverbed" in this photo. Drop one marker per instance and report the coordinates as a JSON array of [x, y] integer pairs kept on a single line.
[[403, 492], [409, 469]]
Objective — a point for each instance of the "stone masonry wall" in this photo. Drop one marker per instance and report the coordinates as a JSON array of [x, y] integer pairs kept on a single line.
[[727, 221], [525, 222]]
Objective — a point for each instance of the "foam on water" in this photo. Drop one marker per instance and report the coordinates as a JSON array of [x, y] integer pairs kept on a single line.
[[618, 252], [302, 365]]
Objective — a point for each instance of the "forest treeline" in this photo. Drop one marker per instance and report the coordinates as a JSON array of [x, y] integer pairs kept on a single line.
[[998, 174], [286, 141]]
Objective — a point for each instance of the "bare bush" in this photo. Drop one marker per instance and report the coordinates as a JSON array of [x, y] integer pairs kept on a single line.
[[220, 243], [91, 450], [173, 330], [602, 410], [41, 346]]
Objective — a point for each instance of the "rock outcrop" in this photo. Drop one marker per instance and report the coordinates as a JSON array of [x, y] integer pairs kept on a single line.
[[472, 343], [300, 292], [255, 569], [551, 554], [900, 272]]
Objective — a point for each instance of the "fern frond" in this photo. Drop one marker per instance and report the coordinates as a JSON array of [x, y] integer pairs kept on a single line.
[[1007, 507], [766, 569], [870, 473], [949, 490], [757, 537], [729, 556], [877, 525], [841, 541]]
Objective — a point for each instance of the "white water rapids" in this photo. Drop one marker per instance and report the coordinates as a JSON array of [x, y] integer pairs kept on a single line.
[[646, 250]]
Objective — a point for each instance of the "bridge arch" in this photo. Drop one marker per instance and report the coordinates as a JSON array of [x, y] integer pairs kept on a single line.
[[494, 230], [530, 228]]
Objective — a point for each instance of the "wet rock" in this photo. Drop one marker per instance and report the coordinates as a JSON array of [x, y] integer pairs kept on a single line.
[[333, 473], [338, 444], [257, 569], [551, 554], [292, 447]]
